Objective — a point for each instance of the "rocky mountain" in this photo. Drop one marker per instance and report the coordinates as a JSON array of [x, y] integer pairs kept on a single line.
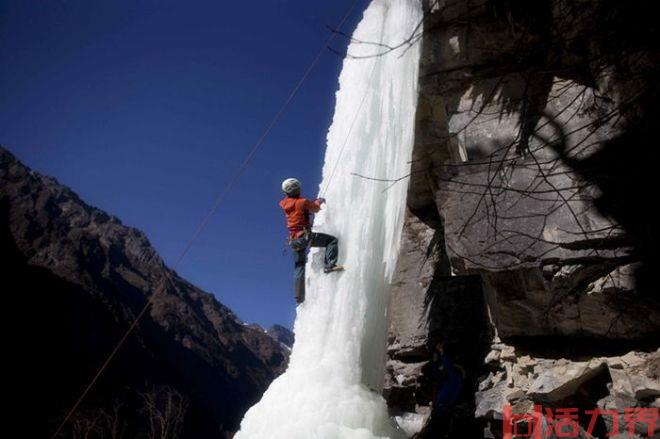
[[529, 243], [282, 335], [73, 278], [279, 333]]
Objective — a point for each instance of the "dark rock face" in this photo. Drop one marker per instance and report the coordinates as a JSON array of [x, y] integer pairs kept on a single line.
[[408, 352], [531, 173], [78, 277]]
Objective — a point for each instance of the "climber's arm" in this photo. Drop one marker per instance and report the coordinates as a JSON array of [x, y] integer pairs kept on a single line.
[[314, 206]]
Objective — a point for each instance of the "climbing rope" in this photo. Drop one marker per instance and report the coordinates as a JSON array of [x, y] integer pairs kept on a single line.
[[202, 225]]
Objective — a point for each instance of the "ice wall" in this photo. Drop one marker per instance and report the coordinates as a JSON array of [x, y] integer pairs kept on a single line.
[[330, 388]]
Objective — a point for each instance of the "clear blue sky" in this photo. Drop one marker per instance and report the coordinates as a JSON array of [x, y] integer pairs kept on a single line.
[[145, 108]]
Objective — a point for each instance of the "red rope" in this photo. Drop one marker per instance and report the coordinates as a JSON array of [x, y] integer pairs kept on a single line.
[[218, 201]]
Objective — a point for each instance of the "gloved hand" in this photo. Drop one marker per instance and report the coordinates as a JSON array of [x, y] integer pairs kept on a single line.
[[321, 200]]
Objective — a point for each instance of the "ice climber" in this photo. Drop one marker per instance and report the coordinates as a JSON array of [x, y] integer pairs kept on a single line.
[[298, 210], [449, 381]]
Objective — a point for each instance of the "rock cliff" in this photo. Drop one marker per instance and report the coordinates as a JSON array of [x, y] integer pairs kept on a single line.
[[74, 278], [529, 243]]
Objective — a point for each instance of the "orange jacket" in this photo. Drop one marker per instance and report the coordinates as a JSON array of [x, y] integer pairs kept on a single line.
[[297, 212]]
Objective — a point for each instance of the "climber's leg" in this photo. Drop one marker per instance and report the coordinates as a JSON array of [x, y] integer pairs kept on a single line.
[[299, 247], [331, 245], [299, 260]]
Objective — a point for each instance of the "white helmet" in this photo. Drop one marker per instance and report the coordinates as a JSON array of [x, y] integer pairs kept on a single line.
[[291, 186]]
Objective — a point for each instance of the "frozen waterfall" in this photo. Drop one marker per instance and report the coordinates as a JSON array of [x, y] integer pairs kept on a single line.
[[338, 356]]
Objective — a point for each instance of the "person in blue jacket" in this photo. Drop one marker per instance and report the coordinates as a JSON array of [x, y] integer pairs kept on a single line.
[[449, 383]]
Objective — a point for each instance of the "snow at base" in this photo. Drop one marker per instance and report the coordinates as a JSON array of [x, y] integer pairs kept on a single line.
[[340, 330]]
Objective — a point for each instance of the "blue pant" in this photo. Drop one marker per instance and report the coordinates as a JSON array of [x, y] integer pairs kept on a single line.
[[300, 247]]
